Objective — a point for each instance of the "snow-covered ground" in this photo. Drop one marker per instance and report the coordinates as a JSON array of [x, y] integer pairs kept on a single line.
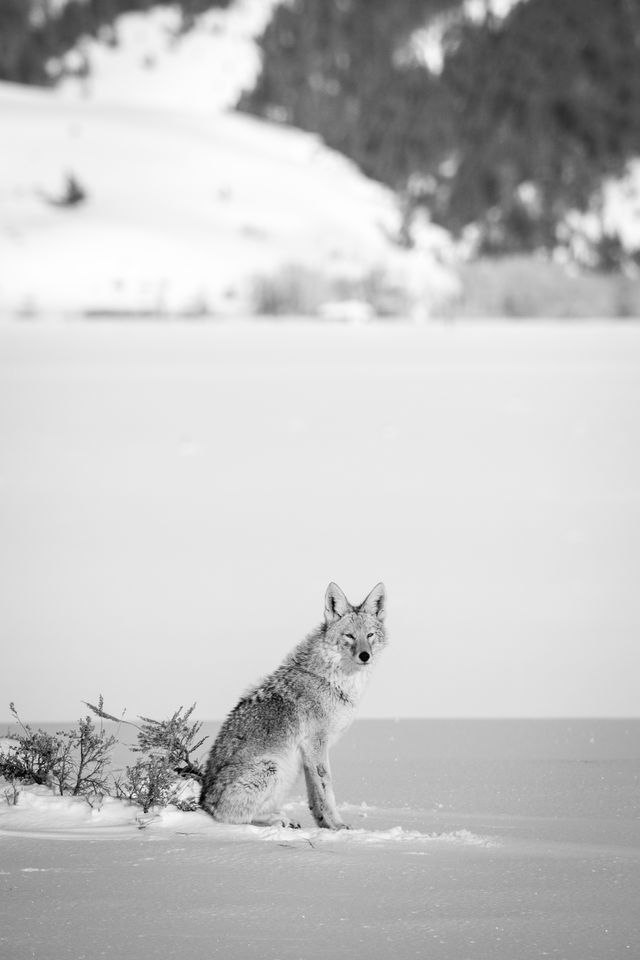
[[488, 841], [188, 206]]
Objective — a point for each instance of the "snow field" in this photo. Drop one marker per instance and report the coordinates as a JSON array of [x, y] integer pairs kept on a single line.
[[114, 882], [39, 812], [224, 894], [177, 498]]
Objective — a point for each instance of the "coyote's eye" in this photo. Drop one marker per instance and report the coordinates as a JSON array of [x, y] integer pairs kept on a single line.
[[369, 635], [350, 636]]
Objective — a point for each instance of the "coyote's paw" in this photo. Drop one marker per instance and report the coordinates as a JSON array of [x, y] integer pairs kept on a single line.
[[276, 821]]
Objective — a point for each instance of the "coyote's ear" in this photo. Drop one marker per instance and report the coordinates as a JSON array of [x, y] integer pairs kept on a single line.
[[376, 602], [335, 603]]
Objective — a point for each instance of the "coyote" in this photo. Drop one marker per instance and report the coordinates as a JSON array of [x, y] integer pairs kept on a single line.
[[292, 717]]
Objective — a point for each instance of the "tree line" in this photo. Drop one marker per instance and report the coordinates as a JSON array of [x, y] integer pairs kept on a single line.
[[522, 122]]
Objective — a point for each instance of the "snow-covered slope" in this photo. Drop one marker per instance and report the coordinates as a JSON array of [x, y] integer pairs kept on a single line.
[[155, 59], [614, 214], [186, 202]]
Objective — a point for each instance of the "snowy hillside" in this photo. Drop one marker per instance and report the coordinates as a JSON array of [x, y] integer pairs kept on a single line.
[[155, 61], [188, 207], [613, 214]]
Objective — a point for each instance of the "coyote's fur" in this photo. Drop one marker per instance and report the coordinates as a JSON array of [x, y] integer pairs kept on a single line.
[[291, 718]]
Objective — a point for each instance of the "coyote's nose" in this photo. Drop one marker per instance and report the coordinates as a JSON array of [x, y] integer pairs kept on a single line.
[[364, 656]]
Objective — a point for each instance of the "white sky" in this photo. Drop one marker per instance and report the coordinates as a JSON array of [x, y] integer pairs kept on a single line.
[[175, 499]]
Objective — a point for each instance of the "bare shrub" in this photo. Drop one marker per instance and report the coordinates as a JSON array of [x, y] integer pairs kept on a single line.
[[76, 762], [176, 738], [34, 756], [294, 290], [12, 793], [70, 761], [298, 290], [166, 748], [148, 782]]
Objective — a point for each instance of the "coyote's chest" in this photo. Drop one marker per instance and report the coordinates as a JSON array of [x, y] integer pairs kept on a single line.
[[337, 723], [346, 695]]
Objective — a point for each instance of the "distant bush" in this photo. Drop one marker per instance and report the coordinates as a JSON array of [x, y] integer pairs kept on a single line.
[[299, 290], [294, 290], [520, 287], [71, 194]]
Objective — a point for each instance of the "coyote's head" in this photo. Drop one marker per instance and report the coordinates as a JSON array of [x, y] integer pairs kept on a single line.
[[357, 631]]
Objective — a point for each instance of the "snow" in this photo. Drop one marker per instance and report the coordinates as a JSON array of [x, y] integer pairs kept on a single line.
[[176, 498], [156, 63], [621, 208], [479, 10], [188, 206], [429, 45], [614, 212], [53, 6], [183, 212], [40, 812], [521, 856], [184, 895]]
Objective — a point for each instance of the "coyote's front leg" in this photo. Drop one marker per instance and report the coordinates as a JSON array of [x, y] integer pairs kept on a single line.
[[317, 773]]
